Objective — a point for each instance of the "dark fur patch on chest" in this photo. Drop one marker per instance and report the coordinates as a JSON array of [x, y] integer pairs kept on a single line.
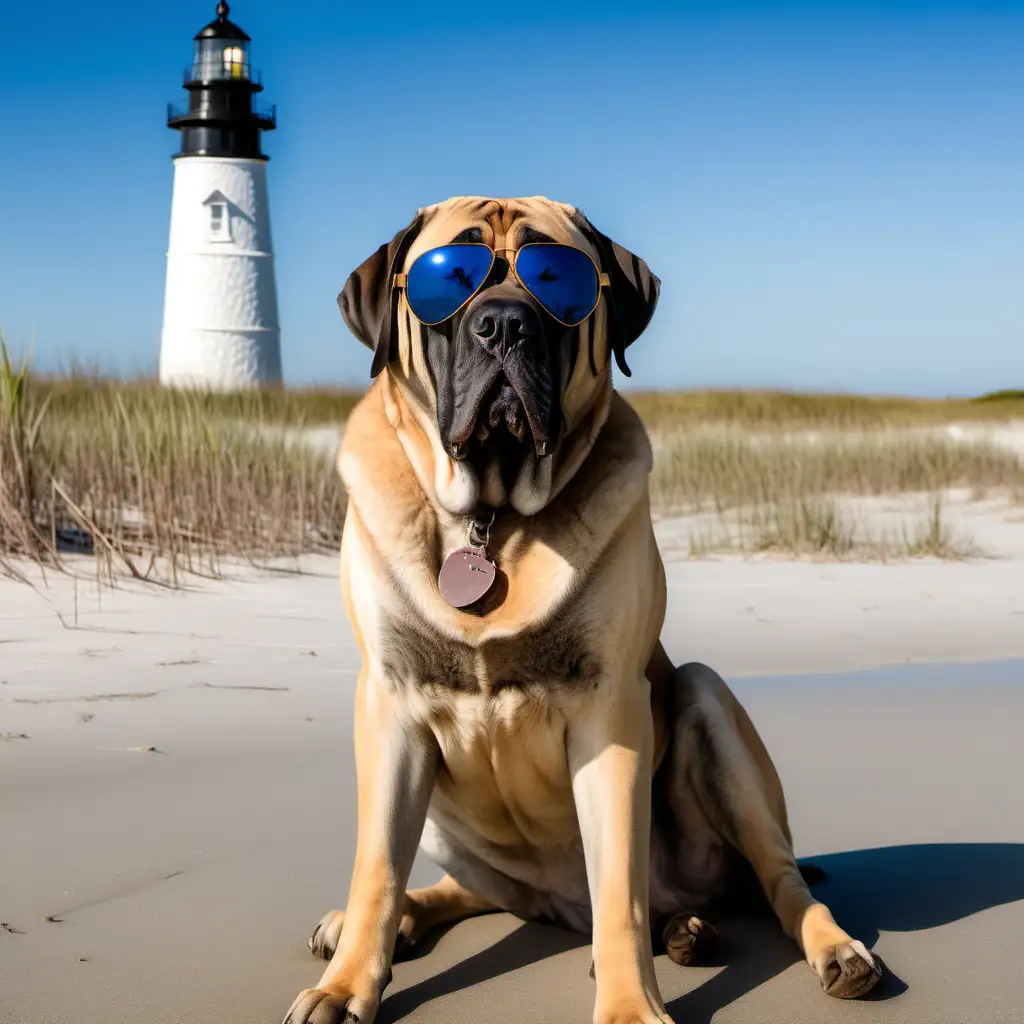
[[555, 659]]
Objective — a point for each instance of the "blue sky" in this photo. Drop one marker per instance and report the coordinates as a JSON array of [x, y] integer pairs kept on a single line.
[[833, 195]]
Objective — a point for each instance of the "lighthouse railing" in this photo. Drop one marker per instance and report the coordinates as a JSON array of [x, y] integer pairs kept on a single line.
[[264, 112]]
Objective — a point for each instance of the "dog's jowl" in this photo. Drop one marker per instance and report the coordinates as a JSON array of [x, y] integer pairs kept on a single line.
[[537, 743]]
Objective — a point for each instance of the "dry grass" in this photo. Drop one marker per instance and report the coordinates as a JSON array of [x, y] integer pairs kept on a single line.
[[660, 410], [158, 482], [79, 393], [721, 470], [824, 527], [765, 410], [758, 491]]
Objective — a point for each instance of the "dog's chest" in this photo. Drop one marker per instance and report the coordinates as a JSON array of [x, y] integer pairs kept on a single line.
[[498, 712], [547, 665]]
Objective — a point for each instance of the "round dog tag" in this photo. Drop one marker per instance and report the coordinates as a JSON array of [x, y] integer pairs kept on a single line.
[[465, 576]]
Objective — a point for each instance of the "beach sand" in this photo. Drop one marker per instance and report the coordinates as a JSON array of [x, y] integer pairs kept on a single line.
[[177, 798]]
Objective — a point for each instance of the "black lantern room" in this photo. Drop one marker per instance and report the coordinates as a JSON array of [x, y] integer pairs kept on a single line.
[[221, 118]]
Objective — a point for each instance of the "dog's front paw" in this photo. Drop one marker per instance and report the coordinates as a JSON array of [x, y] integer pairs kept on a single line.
[[847, 971], [318, 1006]]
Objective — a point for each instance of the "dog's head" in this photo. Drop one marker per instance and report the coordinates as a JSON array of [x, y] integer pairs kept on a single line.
[[506, 393]]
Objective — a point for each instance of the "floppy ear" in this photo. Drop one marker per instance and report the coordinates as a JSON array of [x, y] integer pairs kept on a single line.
[[632, 295], [369, 300]]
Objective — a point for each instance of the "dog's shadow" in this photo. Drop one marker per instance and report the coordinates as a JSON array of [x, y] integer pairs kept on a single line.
[[893, 888]]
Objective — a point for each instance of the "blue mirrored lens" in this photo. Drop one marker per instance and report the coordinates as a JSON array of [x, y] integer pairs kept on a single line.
[[562, 279], [441, 280]]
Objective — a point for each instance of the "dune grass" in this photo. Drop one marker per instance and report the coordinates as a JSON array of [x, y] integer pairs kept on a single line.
[[696, 471], [80, 393], [154, 482], [765, 410], [756, 492], [824, 527], [660, 410], [157, 483]]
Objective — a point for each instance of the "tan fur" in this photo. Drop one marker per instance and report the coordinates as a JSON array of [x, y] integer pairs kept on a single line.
[[536, 796]]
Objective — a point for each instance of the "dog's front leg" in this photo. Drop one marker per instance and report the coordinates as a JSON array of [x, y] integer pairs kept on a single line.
[[396, 764], [610, 748]]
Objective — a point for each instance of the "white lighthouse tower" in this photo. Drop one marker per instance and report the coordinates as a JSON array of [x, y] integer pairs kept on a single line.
[[220, 329]]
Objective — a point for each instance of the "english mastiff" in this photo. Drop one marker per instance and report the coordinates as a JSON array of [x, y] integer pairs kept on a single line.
[[516, 714]]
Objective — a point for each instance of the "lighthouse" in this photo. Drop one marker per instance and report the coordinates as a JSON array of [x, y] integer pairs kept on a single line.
[[220, 327]]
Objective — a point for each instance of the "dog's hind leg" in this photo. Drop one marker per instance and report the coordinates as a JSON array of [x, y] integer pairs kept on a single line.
[[718, 753], [424, 909]]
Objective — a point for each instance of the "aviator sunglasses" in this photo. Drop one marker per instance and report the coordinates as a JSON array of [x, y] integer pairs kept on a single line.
[[563, 279]]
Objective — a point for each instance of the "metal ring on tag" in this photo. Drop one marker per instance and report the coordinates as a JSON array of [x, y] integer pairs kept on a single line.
[[479, 533]]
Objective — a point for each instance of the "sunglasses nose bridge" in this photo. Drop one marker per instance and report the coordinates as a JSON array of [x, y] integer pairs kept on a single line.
[[509, 256]]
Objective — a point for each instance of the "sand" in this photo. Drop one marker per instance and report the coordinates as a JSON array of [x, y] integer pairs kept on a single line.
[[176, 798]]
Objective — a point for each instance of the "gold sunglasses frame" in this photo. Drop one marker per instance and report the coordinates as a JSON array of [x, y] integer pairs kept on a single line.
[[603, 281]]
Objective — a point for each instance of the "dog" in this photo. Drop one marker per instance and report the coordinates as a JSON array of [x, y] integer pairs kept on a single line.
[[523, 723]]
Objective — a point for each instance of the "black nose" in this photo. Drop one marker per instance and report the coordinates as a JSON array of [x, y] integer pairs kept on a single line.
[[500, 324]]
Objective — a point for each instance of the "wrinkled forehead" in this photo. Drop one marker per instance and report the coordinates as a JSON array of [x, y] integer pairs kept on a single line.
[[499, 223]]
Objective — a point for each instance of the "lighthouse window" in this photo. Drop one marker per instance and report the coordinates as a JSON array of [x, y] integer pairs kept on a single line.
[[234, 61], [217, 59], [220, 228]]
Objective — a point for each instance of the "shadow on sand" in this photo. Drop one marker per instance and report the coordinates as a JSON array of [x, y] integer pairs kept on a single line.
[[892, 889]]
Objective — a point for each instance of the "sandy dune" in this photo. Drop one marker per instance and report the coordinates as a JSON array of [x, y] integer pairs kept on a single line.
[[176, 798]]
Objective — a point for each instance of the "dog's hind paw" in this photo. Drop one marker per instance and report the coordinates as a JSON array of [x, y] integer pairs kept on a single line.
[[847, 971], [324, 940], [689, 939]]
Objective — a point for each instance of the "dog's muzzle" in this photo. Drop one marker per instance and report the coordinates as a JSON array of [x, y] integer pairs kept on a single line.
[[505, 377]]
